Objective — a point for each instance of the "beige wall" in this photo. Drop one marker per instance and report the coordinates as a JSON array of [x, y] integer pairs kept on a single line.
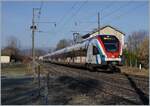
[[5, 59], [111, 31]]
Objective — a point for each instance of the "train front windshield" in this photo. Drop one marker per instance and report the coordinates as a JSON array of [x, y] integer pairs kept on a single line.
[[111, 43]]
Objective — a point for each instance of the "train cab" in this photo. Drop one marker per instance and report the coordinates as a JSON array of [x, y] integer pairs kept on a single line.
[[103, 50]]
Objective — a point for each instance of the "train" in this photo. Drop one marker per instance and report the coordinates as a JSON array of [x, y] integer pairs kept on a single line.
[[96, 51]]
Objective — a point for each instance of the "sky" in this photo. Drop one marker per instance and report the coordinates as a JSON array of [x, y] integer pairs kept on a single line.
[[126, 16]]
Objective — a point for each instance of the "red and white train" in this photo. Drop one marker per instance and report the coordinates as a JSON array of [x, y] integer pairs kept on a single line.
[[100, 50]]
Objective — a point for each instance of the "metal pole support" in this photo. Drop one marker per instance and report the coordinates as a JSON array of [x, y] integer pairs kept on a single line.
[[39, 81]]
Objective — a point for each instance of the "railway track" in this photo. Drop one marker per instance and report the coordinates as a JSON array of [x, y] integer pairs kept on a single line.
[[124, 81], [119, 78], [96, 76], [115, 89]]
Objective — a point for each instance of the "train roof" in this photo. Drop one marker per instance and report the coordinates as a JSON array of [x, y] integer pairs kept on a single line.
[[78, 46]]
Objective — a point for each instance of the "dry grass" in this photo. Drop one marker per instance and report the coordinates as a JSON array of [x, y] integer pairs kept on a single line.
[[15, 70], [135, 71]]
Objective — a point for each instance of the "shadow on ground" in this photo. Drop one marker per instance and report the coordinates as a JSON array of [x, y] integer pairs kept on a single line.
[[65, 88], [143, 97], [82, 91], [70, 90], [78, 84]]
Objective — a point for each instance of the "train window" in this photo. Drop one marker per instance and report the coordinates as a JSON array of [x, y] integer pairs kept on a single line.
[[83, 52], [95, 50], [111, 46]]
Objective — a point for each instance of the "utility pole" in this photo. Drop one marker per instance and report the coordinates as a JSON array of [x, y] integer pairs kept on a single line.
[[33, 27], [98, 23], [33, 53]]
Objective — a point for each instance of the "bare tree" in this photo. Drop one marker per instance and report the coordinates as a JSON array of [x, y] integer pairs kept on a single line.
[[51, 50], [63, 43], [143, 52], [134, 47], [39, 52], [12, 48], [12, 42], [135, 39]]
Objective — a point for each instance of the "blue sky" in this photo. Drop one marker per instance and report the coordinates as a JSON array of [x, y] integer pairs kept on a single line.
[[127, 16]]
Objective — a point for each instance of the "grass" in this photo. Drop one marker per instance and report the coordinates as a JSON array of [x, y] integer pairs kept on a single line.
[[14, 70], [135, 71]]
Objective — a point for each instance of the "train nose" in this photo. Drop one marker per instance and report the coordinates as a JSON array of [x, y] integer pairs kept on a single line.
[[113, 56]]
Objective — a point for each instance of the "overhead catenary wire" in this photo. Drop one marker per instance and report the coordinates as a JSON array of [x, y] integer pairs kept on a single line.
[[123, 14], [75, 13], [108, 6], [39, 13], [60, 21], [78, 10], [113, 12], [39, 18], [69, 10], [117, 9]]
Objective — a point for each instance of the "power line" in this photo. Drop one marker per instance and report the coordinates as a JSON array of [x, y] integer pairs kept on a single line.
[[39, 13], [81, 6], [114, 11], [62, 18], [65, 15], [39, 17], [107, 7], [117, 9], [121, 15], [75, 13], [40, 9], [103, 9], [72, 7]]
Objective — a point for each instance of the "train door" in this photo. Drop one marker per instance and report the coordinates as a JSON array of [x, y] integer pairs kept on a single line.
[[91, 54], [96, 55]]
